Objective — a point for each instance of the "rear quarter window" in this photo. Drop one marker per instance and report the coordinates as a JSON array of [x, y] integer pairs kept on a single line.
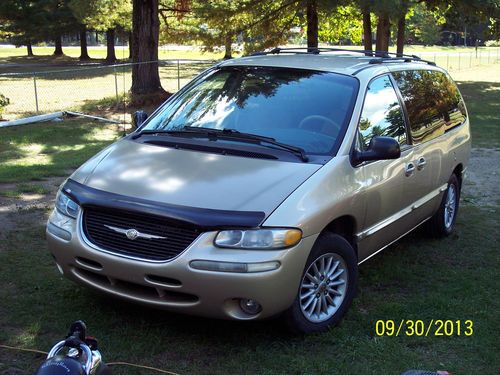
[[433, 103]]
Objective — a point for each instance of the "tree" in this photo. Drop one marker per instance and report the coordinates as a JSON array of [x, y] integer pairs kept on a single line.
[[424, 24], [84, 54], [104, 15], [259, 23], [367, 25], [312, 23], [385, 9], [22, 22], [145, 34], [60, 21], [341, 24], [400, 39]]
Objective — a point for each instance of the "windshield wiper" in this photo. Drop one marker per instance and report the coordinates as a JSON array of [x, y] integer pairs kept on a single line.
[[233, 134], [190, 129], [230, 134]]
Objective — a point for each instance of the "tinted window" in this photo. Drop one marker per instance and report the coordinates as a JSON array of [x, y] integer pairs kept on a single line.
[[382, 114], [432, 101], [303, 108]]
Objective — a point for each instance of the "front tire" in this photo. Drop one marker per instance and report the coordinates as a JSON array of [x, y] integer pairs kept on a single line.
[[327, 286], [443, 221]]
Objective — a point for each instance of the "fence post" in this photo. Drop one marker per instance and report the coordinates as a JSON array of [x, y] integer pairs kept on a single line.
[[116, 86], [178, 75], [36, 93]]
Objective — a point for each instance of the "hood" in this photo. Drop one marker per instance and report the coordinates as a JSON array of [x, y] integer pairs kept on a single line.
[[193, 179]]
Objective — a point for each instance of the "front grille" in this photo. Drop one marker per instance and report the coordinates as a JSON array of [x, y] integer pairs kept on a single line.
[[177, 236]]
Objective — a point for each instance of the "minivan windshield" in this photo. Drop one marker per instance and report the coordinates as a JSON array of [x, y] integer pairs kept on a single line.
[[301, 108]]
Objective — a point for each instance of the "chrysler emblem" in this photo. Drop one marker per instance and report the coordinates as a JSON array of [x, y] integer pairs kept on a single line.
[[133, 234]]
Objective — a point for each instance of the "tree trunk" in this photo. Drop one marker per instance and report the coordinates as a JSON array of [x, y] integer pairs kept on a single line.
[[58, 44], [401, 34], [228, 47], [29, 47], [145, 30], [110, 45], [367, 30], [84, 54], [383, 33], [312, 24], [96, 38]]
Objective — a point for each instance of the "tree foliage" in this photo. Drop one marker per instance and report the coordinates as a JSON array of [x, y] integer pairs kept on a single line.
[[257, 23], [341, 23], [102, 15], [424, 24], [22, 20]]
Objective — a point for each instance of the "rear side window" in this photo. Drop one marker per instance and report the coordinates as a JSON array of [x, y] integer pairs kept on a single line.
[[432, 101], [382, 114]]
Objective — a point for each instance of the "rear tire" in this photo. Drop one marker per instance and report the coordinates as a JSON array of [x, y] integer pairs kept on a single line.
[[327, 286], [443, 221]]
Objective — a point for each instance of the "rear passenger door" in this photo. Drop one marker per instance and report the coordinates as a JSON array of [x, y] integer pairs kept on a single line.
[[431, 110]]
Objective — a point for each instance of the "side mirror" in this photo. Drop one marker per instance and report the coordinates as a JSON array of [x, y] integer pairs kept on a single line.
[[138, 118], [380, 148]]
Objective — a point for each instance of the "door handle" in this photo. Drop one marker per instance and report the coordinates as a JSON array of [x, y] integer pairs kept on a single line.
[[410, 168], [421, 163]]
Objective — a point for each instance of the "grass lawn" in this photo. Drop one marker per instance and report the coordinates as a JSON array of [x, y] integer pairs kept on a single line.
[[417, 278]]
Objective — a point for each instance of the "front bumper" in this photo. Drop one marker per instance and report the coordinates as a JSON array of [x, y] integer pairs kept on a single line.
[[174, 285]]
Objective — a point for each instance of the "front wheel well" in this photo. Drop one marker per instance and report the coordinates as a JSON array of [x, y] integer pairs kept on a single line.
[[344, 226]]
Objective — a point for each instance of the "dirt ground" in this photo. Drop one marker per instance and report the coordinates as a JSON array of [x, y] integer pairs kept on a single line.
[[35, 207], [480, 189], [481, 186]]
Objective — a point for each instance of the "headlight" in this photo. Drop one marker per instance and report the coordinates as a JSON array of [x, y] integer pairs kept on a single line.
[[66, 206], [258, 238]]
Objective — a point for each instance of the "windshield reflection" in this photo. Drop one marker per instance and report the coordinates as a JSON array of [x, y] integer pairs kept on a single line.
[[303, 108]]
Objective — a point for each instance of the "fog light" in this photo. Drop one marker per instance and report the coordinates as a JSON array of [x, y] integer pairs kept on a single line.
[[210, 265], [250, 306]]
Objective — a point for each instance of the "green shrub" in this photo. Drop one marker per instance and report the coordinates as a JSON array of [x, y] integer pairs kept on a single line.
[[4, 102]]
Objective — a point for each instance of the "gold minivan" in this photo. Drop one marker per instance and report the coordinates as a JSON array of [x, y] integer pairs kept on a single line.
[[258, 189]]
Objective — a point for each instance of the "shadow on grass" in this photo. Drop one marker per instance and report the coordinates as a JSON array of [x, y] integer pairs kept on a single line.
[[483, 104], [32, 152]]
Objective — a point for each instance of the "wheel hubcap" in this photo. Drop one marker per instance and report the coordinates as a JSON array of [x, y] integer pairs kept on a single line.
[[450, 206], [323, 287]]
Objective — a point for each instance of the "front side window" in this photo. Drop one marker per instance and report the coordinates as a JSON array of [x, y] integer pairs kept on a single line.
[[433, 103], [382, 114], [303, 108]]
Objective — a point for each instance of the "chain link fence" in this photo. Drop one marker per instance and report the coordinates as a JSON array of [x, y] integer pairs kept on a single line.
[[456, 61], [96, 89], [89, 89]]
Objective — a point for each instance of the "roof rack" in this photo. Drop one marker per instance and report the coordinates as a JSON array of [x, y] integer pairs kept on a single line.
[[383, 56], [399, 59]]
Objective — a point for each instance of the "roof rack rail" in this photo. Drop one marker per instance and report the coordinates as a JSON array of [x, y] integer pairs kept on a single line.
[[399, 59], [318, 50]]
